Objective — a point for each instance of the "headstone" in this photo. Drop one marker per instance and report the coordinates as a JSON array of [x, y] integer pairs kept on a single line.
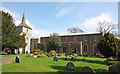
[[70, 66], [72, 59], [26, 52], [88, 69], [17, 59], [55, 59], [114, 68]]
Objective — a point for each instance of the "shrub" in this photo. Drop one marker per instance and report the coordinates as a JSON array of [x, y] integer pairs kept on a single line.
[[3, 53], [85, 55], [49, 55], [45, 53], [31, 54], [52, 51], [94, 53], [79, 54], [61, 54], [41, 55], [37, 51]]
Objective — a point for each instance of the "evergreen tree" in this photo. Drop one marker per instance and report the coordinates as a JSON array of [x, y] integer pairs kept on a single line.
[[10, 36], [54, 42], [109, 45]]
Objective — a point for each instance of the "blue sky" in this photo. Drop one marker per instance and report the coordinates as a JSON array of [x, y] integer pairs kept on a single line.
[[49, 17]]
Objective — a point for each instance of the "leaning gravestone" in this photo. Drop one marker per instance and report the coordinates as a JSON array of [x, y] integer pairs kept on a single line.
[[88, 69], [17, 59], [114, 68], [70, 66], [55, 59]]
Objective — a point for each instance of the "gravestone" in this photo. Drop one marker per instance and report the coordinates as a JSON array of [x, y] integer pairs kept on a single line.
[[17, 59], [114, 68], [26, 52], [55, 59], [72, 59], [88, 69], [70, 66]]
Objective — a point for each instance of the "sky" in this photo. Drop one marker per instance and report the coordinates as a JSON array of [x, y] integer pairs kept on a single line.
[[49, 17]]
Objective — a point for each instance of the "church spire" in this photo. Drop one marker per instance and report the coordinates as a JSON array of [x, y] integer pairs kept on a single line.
[[23, 19], [24, 22]]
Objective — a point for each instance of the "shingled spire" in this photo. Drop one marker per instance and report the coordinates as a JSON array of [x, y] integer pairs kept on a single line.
[[24, 22], [23, 18]]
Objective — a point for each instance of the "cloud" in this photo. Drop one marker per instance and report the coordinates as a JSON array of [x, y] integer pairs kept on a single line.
[[90, 24], [13, 14], [64, 11]]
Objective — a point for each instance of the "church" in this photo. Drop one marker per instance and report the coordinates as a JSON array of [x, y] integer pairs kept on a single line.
[[23, 28], [80, 43]]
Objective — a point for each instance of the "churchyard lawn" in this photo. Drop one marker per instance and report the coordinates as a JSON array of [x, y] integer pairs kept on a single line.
[[46, 64]]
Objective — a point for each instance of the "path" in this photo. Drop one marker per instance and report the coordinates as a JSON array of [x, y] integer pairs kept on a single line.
[[6, 60]]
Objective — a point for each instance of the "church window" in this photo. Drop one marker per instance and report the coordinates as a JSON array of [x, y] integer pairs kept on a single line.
[[85, 38], [95, 38], [85, 48]]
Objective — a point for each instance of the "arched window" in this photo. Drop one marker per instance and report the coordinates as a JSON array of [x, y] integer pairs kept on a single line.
[[95, 48], [64, 49], [85, 48]]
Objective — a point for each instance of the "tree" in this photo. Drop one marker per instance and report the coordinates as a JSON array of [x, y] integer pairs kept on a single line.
[[105, 27], [10, 37], [75, 30], [54, 42], [109, 45]]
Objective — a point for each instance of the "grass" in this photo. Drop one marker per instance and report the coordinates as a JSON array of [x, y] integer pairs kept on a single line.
[[46, 64]]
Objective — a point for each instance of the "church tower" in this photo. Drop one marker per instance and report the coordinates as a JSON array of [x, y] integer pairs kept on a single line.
[[23, 28]]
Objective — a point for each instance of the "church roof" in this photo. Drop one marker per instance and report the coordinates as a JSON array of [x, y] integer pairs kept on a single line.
[[24, 22]]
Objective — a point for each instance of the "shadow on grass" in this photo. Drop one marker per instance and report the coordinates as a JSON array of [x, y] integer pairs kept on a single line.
[[86, 60], [77, 69]]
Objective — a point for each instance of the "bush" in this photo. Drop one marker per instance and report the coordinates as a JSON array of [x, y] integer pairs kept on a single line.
[[37, 51], [85, 55], [49, 55], [79, 54], [45, 53], [41, 55], [52, 51], [61, 54], [3, 53], [30, 55]]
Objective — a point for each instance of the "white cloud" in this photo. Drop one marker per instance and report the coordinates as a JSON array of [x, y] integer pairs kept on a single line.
[[15, 15], [90, 24], [64, 11]]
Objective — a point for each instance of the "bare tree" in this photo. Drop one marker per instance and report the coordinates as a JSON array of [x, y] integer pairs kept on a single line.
[[105, 27], [75, 30]]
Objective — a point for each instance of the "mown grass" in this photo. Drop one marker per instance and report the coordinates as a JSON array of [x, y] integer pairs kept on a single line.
[[46, 64]]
